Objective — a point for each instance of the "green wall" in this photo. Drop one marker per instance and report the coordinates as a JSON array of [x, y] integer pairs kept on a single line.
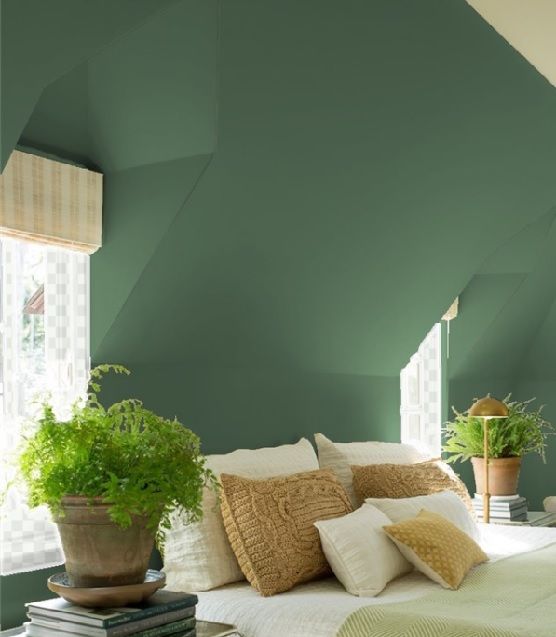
[[320, 175], [15, 590], [294, 193], [504, 339]]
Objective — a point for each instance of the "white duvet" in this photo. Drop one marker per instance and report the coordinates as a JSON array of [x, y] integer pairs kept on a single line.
[[318, 609]]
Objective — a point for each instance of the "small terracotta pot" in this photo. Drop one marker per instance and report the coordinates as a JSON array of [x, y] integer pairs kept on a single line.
[[503, 475], [98, 552]]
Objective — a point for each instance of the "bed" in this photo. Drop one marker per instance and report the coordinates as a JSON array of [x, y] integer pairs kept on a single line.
[[513, 595]]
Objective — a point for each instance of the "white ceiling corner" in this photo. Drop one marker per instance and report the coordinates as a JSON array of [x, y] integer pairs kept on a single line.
[[529, 26]]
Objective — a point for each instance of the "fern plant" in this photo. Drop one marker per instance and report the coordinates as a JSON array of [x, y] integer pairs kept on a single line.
[[524, 431], [136, 461]]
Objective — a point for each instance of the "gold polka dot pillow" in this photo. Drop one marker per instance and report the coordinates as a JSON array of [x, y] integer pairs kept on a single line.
[[270, 525], [436, 547], [407, 481]]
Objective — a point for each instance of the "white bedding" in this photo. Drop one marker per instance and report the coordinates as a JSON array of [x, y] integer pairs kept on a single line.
[[318, 609]]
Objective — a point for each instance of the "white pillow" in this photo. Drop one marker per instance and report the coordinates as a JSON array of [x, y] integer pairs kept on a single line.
[[339, 456], [360, 553], [198, 557], [446, 503]]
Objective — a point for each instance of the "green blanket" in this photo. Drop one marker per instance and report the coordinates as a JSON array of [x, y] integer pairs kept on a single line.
[[514, 597]]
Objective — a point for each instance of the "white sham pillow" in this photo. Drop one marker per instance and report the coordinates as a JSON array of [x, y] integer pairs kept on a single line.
[[446, 503], [339, 456], [360, 553], [198, 556]]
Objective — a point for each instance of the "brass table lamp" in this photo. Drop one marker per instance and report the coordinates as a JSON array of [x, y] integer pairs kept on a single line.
[[487, 408]]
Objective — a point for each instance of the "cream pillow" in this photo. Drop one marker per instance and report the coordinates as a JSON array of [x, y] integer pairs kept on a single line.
[[437, 548], [339, 456], [446, 503], [270, 525], [198, 557], [360, 553]]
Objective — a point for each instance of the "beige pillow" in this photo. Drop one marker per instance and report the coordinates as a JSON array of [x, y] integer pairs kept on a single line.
[[198, 556], [270, 524], [437, 548], [407, 481], [339, 456]]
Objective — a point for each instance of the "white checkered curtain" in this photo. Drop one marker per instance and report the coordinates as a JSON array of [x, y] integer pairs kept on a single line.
[[421, 396], [29, 540], [66, 314]]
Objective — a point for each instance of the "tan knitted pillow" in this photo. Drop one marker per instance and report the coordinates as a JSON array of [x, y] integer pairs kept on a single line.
[[270, 525], [436, 547], [407, 481]]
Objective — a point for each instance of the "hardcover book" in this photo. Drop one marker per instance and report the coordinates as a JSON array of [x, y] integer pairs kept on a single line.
[[181, 626], [63, 624], [161, 602], [500, 500], [28, 631], [506, 508], [515, 518], [510, 515]]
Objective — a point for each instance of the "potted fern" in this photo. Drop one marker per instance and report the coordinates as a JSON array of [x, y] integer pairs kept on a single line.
[[524, 431], [111, 477]]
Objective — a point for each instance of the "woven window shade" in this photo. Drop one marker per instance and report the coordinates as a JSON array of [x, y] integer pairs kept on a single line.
[[51, 202], [452, 312]]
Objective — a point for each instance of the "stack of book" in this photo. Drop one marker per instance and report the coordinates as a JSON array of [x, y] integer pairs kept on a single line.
[[165, 613], [503, 508]]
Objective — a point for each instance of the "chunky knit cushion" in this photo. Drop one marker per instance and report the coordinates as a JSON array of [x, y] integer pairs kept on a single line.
[[436, 547], [407, 481], [339, 456], [270, 525], [198, 555]]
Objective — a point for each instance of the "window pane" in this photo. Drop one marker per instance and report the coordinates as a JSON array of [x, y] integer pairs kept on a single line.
[[420, 385], [44, 349]]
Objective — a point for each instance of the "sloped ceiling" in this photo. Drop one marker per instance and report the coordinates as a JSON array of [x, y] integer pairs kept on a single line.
[[43, 40], [505, 306], [529, 26], [337, 169], [296, 186], [507, 330]]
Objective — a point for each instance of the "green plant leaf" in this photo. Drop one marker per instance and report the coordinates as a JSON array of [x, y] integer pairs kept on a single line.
[[524, 431], [137, 461]]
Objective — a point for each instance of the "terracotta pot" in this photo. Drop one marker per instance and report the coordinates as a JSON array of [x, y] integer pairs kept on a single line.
[[503, 475], [99, 553]]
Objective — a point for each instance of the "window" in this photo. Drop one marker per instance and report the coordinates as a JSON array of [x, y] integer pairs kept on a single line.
[[421, 395], [44, 348]]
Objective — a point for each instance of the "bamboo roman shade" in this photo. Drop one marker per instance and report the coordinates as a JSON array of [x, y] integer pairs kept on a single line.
[[51, 202]]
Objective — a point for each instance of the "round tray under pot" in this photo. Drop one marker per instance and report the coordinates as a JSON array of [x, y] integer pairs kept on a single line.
[[106, 596]]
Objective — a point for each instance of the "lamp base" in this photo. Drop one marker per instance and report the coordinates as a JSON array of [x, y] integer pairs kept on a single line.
[[486, 507]]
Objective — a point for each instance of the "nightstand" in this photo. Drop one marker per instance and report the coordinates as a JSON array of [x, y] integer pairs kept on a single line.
[[534, 518], [214, 629]]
